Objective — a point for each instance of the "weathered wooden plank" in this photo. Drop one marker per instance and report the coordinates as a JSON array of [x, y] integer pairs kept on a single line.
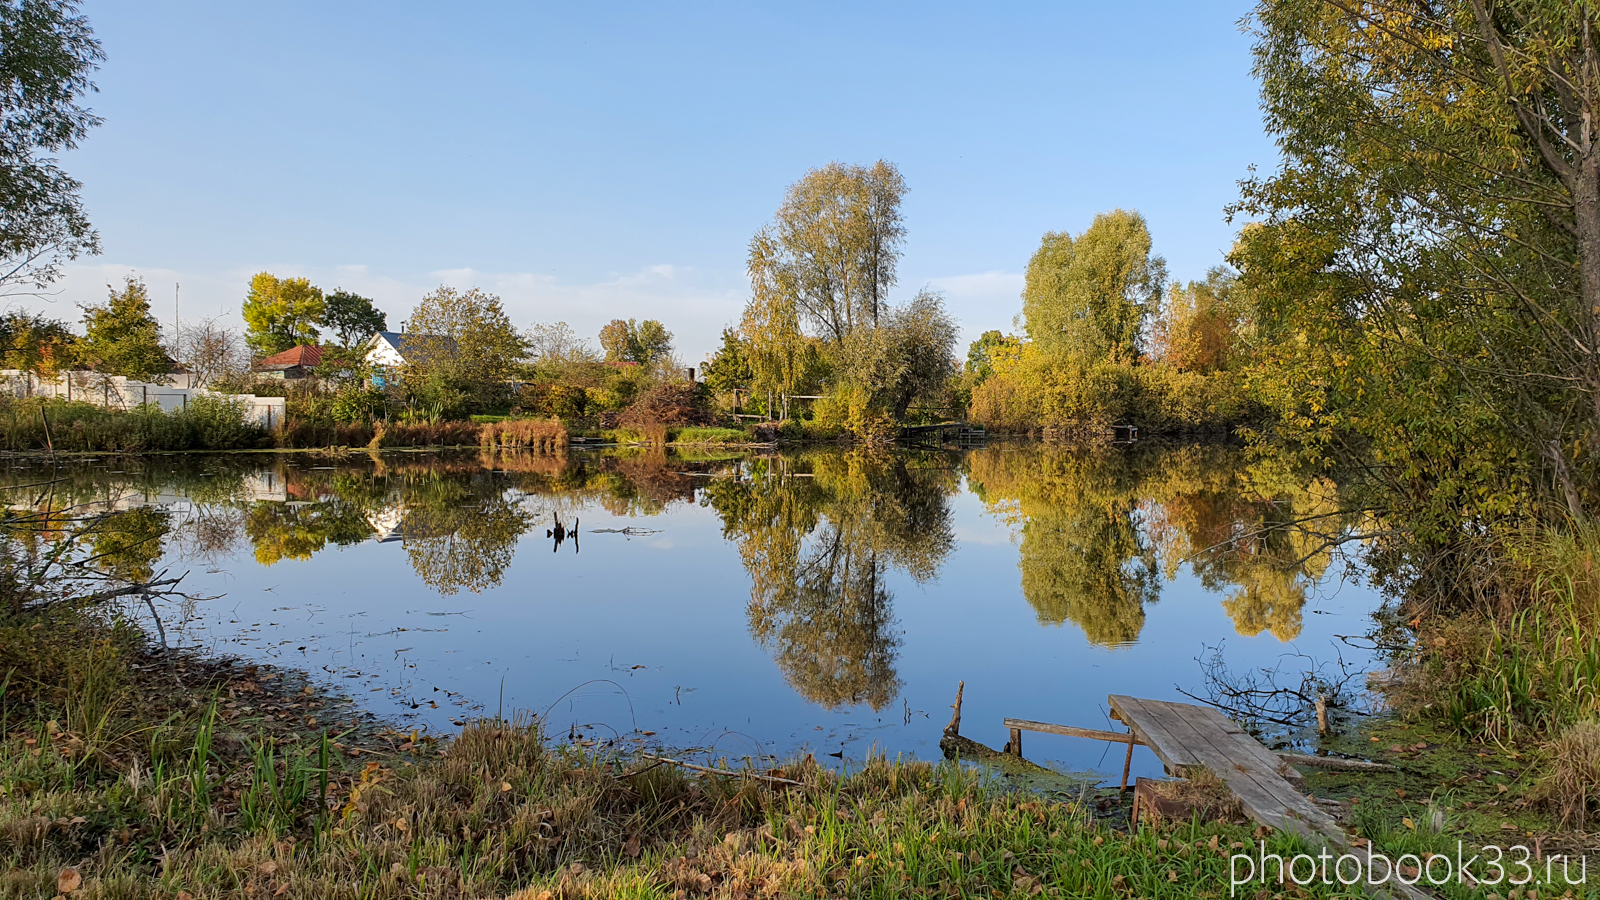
[[1231, 760], [1300, 760], [1166, 747], [1114, 737], [1209, 721], [1266, 798], [1199, 736]]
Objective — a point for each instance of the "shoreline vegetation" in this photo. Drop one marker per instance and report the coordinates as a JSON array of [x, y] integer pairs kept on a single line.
[[131, 772]]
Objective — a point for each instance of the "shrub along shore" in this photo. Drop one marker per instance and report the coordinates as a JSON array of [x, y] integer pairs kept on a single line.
[[214, 424]]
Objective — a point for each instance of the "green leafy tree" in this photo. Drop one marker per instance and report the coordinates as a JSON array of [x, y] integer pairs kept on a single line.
[[352, 318], [48, 54], [464, 338], [34, 343], [909, 356], [1427, 264], [833, 247], [729, 367], [627, 340], [980, 354], [122, 337], [654, 342], [282, 313], [1087, 297]]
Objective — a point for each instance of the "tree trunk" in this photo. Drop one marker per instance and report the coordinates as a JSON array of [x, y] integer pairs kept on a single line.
[[1586, 217]]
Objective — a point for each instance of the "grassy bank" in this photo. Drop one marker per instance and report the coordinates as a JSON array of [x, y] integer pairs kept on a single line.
[[130, 773], [206, 423]]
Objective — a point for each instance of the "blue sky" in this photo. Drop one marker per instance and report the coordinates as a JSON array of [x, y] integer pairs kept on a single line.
[[590, 161]]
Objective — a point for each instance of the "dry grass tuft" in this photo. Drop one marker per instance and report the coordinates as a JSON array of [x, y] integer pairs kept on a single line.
[[1205, 793], [539, 435], [1572, 776]]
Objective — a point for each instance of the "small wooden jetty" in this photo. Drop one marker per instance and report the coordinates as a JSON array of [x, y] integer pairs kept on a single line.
[[1186, 737], [944, 432]]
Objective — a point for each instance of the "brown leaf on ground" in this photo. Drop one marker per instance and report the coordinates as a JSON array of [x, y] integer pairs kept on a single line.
[[631, 847], [68, 881]]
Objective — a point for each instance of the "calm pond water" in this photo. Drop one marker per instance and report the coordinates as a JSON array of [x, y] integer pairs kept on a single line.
[[823, 601]]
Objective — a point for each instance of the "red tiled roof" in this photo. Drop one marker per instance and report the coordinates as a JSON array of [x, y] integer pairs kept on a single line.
[[304, 355]]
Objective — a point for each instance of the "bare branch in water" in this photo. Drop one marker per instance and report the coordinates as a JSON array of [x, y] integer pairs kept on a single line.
[[1283, 699]]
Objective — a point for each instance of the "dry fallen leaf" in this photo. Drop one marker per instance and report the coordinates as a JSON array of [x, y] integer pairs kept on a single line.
[[267, 868], [1408, 823], [68, 881], [505, 786], [401, 824], [185, 895], [631, 846]]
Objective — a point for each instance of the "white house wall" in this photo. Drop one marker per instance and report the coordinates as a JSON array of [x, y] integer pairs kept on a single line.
[[117, 392]]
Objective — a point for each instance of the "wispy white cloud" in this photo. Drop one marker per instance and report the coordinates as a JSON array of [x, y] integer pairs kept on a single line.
[[982, 301]]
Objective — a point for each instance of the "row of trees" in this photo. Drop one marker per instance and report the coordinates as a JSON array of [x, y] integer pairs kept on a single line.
[[819, 320], [281, 313], [1109, 340]]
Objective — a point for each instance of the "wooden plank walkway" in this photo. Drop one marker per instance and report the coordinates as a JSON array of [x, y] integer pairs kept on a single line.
[[1184, 736]]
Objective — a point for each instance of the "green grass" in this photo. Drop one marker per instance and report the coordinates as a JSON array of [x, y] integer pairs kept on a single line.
[[708, 436], [217, 786]]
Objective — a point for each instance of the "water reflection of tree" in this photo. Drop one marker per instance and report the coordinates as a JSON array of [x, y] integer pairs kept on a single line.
[[280, 531], [1100, 526], [462, 533], [127, 544], [818, 535]]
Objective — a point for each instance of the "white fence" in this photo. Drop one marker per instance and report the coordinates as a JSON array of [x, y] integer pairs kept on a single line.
[[117, 392]]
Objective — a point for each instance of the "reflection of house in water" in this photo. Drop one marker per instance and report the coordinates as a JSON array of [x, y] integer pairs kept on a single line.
[[388, 523], [266, 486]]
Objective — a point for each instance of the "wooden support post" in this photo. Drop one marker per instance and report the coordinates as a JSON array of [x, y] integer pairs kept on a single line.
[[1127, 764], [1016, 743]]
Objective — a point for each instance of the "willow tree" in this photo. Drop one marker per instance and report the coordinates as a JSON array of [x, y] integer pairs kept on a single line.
[[779, 352], [1087, 297], [1428, 261], [834, 245], [826, 262]]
